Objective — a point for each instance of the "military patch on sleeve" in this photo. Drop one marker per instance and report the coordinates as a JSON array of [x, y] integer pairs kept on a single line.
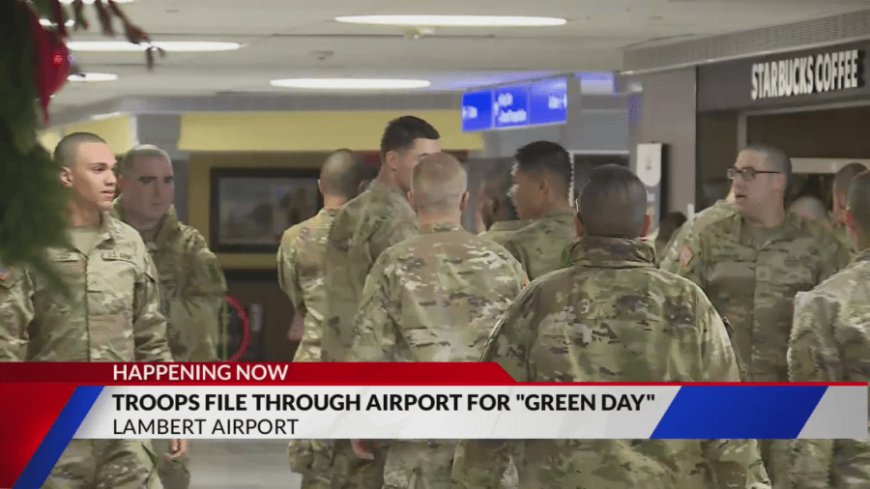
[[686, 255]]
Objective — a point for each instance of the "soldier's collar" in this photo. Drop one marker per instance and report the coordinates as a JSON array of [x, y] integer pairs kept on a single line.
[[789, 229], [167, 226], [507, 225], [441, 227], [611, 252]]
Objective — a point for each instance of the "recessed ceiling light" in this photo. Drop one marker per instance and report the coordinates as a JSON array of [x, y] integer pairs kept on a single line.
[[171, 46], [91, 2], [350, 83], [50, 23], [453, 20], [92, 77]]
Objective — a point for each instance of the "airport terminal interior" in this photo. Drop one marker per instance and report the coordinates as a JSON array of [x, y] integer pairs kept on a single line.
[[248, 98]]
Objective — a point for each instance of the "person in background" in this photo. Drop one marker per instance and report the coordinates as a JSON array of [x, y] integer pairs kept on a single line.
[[751, 263], [496, 211], [667, 228], [364, 227], [812, 209], [542, 181], [190, 279]]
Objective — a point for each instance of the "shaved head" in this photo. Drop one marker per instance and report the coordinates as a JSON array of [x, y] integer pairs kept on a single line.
[[612, 203], [66, 151], [341, 174], [438, 184], [859, 202], [810, 208], [845, 176]]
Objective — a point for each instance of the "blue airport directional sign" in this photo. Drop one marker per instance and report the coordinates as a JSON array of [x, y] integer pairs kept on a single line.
[[532, 104]]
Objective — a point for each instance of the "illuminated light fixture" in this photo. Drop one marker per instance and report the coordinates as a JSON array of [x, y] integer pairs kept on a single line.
[[170, 46], [49, 23], [350, 83], [91, 2], [453, 20], [92, 77]]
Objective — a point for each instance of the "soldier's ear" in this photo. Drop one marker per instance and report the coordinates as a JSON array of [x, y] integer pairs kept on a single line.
[[647, 222], [319, 187], [66, 178], [463, 203], [410, 196], [852, 226]]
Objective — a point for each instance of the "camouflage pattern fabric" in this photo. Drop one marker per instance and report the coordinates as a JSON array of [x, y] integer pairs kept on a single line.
[[830, 342], [501, 230], [612, 316], [540, 244]]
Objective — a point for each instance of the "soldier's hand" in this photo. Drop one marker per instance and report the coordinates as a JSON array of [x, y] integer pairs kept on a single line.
[[361, 449], [297, 328], [177, 449]]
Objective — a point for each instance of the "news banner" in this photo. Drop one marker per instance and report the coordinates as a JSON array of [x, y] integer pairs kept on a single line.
[[54, 403]]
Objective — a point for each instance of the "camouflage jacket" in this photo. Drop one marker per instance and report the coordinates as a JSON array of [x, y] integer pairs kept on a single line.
[[671, 251], [112, 313], [754, 288], [192, 287], [830, 342], [612, 316], [540, 244], [501, 230], [301, 263], [364, 227], [435, 298]]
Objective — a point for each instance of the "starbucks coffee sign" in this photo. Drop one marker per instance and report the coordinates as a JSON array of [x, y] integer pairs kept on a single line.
[[806, 75]]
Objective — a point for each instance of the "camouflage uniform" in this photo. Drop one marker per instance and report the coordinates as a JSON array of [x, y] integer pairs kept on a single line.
[[192, 290], [613, 317], [843, 236], [830, 342], [111, 315], [432, 298], [16, 312], [671, 251], [501, 230], [364, 227], [753, 286], [540, 244], [301, 262]]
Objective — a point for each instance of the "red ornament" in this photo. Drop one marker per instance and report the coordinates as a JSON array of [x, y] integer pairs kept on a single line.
[[51, 60]]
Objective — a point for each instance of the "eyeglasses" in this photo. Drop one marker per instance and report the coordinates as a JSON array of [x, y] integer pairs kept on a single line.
[[748, 174]]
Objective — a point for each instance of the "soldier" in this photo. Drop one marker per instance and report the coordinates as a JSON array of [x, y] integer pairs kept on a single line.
[[111, 313], [838, 213], [612, 316], [366, 226], [191, 282], [752, 263], [300, 273], [542, 182], [830, 342], [414, 309], [496, 211]]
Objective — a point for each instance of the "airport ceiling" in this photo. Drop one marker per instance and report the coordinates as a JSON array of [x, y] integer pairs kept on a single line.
[[295, 38]]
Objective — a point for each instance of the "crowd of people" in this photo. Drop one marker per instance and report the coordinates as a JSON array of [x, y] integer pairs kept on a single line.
[[552, 290]]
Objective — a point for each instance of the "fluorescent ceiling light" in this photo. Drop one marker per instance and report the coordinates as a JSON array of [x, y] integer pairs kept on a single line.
[[50, 23], [91, 2], [453, 20], [171, 46], [92, 77], [350, 83]]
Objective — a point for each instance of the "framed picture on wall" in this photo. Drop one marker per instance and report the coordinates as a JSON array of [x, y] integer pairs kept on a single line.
[[251, 207]]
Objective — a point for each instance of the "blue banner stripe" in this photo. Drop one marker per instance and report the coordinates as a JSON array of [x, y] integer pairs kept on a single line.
[[58, 437], [739, 412]]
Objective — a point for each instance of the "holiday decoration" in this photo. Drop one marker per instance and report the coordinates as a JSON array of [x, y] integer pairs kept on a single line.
[[34, 65]]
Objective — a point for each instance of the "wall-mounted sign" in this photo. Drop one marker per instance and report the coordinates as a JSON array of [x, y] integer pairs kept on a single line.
[[544, 102], [805, 75]]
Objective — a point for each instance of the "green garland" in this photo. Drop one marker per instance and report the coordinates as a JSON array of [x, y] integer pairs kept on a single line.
[[31, 197]]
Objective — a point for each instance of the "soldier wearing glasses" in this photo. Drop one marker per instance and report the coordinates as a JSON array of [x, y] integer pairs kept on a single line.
[[752, 263]]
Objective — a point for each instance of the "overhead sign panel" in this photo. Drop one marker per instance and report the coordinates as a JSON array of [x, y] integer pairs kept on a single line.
[[533, 104]]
